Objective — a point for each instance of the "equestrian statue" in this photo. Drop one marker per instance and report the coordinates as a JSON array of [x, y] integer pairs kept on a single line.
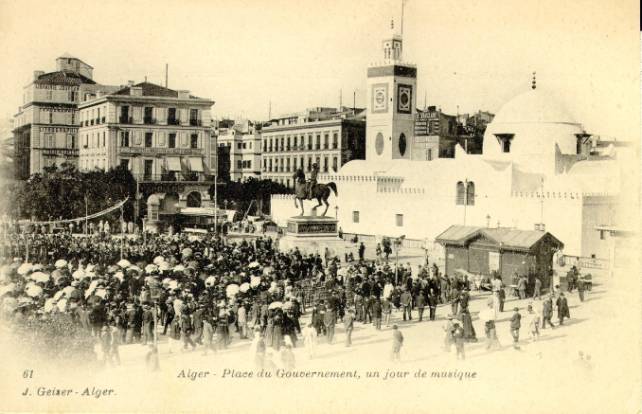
[[312, 190]]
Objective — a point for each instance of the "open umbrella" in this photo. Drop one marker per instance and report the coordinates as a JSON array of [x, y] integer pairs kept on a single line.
[[24, 269], [166, 281], [151, 268], [67, 291], [244, 287], [267, 270], [210, 281], [163, 267], [132, 268], [101, 293], [253, 265], [78, 274], [186, 252], [275, 305], [39, 277], [33, 290], [49, 304], [173, 285], [179, 268], [158, 260], [124, 263], [255, 281], [36, 267], [60, 263], [59, 295], [62, 305], [119, 275], [232, 290], [288, 305]]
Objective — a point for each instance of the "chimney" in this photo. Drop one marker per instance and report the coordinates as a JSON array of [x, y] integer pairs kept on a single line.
[[37, 74], [183, 94]]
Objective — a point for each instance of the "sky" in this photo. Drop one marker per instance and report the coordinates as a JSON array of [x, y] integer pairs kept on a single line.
[[471, 54]]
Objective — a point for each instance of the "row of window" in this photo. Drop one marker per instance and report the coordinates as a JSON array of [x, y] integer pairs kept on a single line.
[[70, 95], [126, 141], [299, 143], [172, 118], [240, 164], [398, 218], [291, 165]]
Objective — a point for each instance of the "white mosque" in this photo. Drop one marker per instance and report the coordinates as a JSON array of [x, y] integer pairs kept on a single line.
[[536, 171]]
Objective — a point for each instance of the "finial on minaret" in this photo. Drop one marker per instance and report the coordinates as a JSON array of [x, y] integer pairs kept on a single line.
[[392, 23], [534, 83]]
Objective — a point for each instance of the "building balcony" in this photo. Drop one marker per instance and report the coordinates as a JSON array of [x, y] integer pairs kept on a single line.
[[153, 151], [125, 120], [174, 121], [174, 177], [149, 121], [195, 122]]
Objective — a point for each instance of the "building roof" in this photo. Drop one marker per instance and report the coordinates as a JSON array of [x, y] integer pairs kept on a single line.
[[63, 77], [533, 106], [151, 89], [507, 237]]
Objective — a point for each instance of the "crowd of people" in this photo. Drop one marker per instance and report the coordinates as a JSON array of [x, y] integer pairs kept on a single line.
[[199, 293]]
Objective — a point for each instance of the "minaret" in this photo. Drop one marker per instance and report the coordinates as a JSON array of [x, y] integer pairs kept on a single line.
[[534, 82], [391, 103]]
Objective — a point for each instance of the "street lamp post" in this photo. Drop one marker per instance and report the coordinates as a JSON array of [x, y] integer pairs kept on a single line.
[[215, 204], [122, 233], [336, 212], [86, 215]]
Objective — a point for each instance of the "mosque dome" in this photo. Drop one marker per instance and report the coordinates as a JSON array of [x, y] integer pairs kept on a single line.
[[532, 130], [534, 106]]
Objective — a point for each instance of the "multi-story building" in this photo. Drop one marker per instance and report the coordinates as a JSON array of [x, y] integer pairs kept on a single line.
[[325, 136], [46, 125], [162, 136], [243, 139], [435, 135]]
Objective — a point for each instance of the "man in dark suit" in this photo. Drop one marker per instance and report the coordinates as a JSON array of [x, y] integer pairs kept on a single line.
[[547, 312], [562, 308], [420, 303], [406, 302]]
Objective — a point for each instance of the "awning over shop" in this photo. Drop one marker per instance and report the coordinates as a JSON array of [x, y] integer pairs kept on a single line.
[[173, 163], [196, 164]]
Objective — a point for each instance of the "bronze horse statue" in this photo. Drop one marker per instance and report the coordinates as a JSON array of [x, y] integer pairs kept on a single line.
[[319, 191]]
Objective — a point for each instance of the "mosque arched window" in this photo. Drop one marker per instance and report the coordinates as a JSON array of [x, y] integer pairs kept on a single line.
[[461, 194], [470, 194]]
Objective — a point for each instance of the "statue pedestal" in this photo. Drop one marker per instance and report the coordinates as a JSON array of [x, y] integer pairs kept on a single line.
[[312, 234]]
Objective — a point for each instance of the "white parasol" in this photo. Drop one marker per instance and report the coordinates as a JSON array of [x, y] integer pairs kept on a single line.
[[158, 260], [163, 267], [119, 275], [210, 281], [67, 291], [62, 304], [275, 305], [253, 265], [78, 274], [49, 304], [173, 284], [179, 268], [151, 268], [232, 290], [24, 269], [60, 263], [255, 281], [39, 277], [244, 287], [186, 252], [124, 263], [33, 290], [59, 295], [101, 293]]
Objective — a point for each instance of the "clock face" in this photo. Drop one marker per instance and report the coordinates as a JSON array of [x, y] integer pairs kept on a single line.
[[404, 100], [380, 98]]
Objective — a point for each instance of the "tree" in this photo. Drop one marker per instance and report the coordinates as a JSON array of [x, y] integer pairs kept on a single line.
[[241, 195], [59, 193]]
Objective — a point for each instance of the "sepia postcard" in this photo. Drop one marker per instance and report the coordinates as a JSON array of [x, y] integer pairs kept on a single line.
[[309, 206]]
